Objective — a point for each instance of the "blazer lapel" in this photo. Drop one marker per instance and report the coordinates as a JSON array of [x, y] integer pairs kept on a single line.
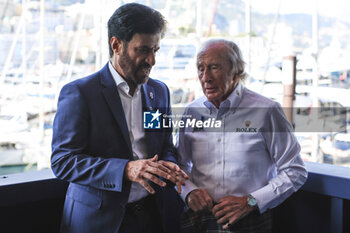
[[111, 94], [148, 97]]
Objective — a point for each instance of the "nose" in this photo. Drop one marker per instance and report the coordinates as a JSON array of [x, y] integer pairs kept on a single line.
[[205, 75], [151, 58]]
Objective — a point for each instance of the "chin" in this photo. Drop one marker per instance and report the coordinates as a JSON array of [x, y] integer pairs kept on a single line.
[[209, 99], [142, 80], [211, 96]]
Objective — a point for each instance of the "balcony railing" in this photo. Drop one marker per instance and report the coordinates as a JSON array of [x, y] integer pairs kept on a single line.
[[33, 201]]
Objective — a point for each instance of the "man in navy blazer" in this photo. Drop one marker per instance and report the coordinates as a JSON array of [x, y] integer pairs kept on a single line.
[[120, 174]]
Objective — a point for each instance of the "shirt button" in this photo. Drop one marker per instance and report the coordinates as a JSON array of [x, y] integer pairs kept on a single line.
[[219, 140], [219, 162]]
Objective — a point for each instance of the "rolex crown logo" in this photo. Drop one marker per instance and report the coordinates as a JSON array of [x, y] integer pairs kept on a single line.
[[247, 123]]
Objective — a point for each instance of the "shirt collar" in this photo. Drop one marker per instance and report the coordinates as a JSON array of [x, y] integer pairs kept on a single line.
[[232, 101], [119, 81]]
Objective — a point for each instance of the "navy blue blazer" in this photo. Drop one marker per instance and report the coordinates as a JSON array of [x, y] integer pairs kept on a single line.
[[91, 146]]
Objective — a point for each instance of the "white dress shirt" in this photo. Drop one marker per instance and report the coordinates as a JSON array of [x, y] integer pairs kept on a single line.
[[254, 152], [132, 106]]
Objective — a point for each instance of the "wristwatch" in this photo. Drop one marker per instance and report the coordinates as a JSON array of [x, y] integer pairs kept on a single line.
[[252, 201]]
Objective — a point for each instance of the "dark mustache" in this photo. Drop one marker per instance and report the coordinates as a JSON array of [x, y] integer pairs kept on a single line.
[[144, 65]]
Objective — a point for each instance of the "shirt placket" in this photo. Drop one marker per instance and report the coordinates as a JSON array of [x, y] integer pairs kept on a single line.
[[222, 146], [227, 143], [218, 153], [129, 101]]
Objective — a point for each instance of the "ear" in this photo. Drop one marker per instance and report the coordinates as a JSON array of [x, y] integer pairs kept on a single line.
[[116, 45], [235, 80], [233, 76]]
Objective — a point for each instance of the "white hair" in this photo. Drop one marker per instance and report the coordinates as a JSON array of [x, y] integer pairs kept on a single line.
[[233, 53]]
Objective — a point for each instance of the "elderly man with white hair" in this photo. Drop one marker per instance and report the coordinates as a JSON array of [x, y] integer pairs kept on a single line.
[[248, 166]]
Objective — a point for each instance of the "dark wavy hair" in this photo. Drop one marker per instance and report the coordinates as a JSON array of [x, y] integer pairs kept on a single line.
[[134, 18]]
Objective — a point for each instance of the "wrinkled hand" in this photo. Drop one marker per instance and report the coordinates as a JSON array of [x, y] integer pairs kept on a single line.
[[144, 170], [230, 209], [199, 200], [178, 176]]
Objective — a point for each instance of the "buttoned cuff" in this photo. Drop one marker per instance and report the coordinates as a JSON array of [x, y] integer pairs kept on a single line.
[[263, 197], [186, 189]]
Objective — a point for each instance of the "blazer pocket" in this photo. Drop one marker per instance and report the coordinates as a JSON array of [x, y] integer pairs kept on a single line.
[[86, 198]]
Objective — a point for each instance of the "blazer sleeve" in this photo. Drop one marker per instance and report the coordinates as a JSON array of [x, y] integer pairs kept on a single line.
[[70, 141]]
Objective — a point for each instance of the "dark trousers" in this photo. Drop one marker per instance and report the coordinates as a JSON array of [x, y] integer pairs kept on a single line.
[[141, 217], [255, 222]]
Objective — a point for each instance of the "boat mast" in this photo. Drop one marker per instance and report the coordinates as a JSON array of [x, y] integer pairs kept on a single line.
[[76, 43], [199, 21], [248, 36], [269, 45], [212, 18], [24, 39], [42, 74], [315, 105], [11, 51]]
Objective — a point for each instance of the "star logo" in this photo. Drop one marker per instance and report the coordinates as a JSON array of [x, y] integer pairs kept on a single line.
[[155, 115]]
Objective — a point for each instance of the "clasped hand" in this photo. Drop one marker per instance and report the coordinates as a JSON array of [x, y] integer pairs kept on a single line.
[[145, 170], [227, 211]]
